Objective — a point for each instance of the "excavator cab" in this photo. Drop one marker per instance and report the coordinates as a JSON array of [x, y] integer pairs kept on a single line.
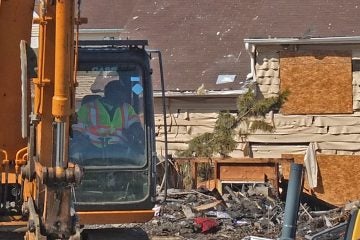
[[112, 135]]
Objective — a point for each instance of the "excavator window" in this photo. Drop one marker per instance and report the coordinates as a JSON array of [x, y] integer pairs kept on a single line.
[[108, 137], [110, 119]]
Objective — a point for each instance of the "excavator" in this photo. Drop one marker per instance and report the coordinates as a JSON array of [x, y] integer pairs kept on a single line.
[[53, 178]]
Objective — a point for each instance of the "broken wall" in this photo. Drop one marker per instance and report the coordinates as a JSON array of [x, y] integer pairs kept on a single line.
[[324, 109], [336, 133], [188, 117]]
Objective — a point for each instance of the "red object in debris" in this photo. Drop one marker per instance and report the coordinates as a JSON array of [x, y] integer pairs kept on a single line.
[[206, 224]]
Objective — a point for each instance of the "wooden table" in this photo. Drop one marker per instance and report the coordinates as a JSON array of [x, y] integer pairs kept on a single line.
[[239, 170]]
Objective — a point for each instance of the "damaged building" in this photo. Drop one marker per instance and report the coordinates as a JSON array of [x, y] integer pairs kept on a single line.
[[320, 117]]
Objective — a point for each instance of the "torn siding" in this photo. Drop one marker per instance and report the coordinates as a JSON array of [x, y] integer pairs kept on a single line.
[[268, 72], [188, 117]]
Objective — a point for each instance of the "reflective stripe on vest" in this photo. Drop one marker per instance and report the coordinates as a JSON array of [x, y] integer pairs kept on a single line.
[[103, 130]]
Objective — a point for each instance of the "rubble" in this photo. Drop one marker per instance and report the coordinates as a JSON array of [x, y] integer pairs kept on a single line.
[[248, 215], [237, 215]]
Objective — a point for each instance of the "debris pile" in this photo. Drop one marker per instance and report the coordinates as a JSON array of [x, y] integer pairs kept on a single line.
[[200, 214]]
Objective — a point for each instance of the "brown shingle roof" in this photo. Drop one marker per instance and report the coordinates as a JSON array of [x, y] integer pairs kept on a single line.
[[106, 14], [203, 38]]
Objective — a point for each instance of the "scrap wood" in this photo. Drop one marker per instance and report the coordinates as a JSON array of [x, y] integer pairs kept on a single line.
[[320, 213], [202, 194], [179, 193], [327, 222], [175, 200], [236, 199], [187, 212], [208, 184], [306, 211], [339, 229], [207, 206], [233, 195], [352, 205], [218, 196], [255, 238]]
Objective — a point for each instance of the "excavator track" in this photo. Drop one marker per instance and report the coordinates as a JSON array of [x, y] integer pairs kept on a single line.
[[99, 234], [135, 233]]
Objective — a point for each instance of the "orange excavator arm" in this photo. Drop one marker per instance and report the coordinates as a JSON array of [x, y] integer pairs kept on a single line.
[[43, 189], [15, 25]]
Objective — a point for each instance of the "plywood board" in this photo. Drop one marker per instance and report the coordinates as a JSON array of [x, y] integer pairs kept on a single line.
[[338, 179], [320, 82], [246, 172]]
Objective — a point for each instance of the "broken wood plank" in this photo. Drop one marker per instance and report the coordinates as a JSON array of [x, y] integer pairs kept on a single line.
[[187, 212], [207, 206], [202, 194], [233, 195]]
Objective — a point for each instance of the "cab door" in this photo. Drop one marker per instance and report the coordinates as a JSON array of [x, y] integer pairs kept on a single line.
[[118, 152]]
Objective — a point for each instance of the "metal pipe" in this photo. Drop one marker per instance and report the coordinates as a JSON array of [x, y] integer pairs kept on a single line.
[[63, 77], [24, 88], [41, 58], [164, 116], [165, 125], [5, 154], [1, 164], [3, 200], [250, 48], [292, 202], [23, 150], [60, 144]]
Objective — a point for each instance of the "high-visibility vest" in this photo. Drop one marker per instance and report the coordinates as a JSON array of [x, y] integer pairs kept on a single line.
[[95, 122]]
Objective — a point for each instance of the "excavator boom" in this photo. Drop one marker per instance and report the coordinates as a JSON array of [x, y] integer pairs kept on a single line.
[[51, 179]]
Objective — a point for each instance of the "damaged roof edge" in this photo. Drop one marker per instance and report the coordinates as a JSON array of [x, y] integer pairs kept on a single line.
[[101, 30], [224, 93], [324, 40]]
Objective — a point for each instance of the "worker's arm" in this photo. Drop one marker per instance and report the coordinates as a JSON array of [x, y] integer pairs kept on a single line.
[[82, 119], [134, 131], [132, 116], [80, 127]]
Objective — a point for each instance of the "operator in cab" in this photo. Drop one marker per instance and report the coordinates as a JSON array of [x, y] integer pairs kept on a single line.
[[108, 128]]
